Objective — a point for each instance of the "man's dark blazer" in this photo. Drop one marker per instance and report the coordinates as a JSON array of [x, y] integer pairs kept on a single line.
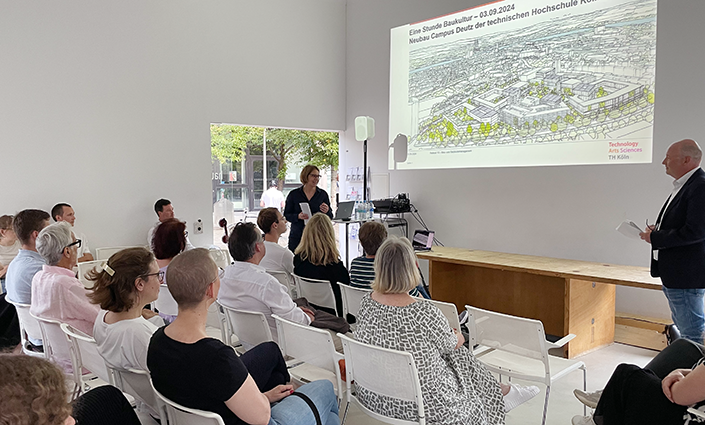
[[680, 240]]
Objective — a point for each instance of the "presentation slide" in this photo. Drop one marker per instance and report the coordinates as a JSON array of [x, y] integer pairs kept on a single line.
[[525, 83]]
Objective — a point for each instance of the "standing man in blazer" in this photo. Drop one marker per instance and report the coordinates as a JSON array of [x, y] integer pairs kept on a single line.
[[678, 240]]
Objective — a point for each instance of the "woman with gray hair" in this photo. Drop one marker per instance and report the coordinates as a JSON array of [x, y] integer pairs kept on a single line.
[[456, 387], [56, 293]]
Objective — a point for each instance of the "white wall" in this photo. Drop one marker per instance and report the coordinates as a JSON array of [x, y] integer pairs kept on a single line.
[[566, 212], [106, 105]]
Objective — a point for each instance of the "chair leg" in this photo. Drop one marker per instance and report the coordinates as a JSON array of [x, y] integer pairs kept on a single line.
[[584, 388], [545, 405], [345, 414]]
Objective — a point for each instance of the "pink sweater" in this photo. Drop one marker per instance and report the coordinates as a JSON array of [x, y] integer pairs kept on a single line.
[[58, 295]]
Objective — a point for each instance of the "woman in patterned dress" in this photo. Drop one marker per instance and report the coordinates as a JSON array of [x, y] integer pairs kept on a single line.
[[456, 388]]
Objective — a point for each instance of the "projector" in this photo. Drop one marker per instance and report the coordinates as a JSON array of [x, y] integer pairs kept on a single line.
[[398, 204]]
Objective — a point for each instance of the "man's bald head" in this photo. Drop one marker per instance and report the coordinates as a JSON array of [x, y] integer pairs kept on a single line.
[[682, 157]]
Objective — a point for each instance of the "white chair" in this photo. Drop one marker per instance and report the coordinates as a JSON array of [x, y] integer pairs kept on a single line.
[[165, 303], [29, 328], [250, 327], [315, 348], [351, 298], [382, 371], [84, 268], [86, 351], [136, 383], [102, 254], [176, 414], [220, 256], [59, 350], [284, 278], [519, 349], [316, 291], [449, 311], [696, 412]]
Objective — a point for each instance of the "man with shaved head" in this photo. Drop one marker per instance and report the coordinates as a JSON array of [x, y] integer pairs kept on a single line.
[[678, 240]]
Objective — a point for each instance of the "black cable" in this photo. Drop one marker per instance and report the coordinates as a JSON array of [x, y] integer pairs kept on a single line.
[[415, 213]]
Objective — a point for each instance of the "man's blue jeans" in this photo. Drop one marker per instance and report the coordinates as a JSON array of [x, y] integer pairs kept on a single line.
[[295, 411], [687, 312]]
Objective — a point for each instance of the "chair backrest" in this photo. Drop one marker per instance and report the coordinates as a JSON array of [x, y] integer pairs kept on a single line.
[[220, 256], [57, 347], [105, 252], [29, 326], [165, 303], [177, 414], [59, 350], [283, 278], [517, 335], [383, 371], [352, 297], [449, 311], [87, 351], [250, 327], [84, 268], [309, 345], [316, 291], [136, 383]]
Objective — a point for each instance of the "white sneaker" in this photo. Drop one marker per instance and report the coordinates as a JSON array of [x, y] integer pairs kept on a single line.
[[588, 399], [582, 420], [518, 395]]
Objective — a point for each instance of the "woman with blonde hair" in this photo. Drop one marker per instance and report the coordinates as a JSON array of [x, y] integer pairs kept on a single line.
[[9, 247], [316, 198], [317, 257], [457, 389], [33, 392]]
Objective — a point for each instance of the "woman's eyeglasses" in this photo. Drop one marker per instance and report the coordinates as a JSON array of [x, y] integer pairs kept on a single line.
[[160, 274]]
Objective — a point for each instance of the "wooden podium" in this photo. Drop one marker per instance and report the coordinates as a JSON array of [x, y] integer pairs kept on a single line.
[[568, 296]]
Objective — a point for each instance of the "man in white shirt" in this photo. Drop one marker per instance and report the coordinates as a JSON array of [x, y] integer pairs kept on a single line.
[[247, 286], [277, 257], [64, 212], [165, 211], [272, 197]]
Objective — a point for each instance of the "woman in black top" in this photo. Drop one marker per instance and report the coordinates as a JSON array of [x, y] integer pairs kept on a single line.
[[310, 193], [317, 257], [192, 369]]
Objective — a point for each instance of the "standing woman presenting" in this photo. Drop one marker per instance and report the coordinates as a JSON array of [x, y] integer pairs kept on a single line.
[[310, 193]]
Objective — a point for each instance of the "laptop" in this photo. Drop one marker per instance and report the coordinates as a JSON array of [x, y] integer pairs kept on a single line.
[[423, 240], [345, 210]]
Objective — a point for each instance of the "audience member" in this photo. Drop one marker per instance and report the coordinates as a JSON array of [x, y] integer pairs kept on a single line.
[[10, 247], [200, 372], [33, 392], [317, 257], [309, 193], [56, 293], [272, 197], [362, 271], [456, 387], [64, 212], [165, 211], [169, 240], [128, 281], [18, 280], [277, 258], [247, 286], [660, 393]]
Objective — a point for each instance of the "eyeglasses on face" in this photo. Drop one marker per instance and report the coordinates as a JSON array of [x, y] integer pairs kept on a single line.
[[76, 242], [315, 176], [160, 275]]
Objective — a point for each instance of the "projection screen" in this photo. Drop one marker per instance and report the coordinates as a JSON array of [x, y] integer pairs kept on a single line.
[[525, 83]]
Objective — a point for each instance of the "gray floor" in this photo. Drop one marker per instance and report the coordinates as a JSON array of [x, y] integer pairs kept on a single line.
[[562, 405]]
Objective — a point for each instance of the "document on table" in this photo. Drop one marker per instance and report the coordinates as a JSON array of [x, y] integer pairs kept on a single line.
[[629, 229], [306, 209]]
